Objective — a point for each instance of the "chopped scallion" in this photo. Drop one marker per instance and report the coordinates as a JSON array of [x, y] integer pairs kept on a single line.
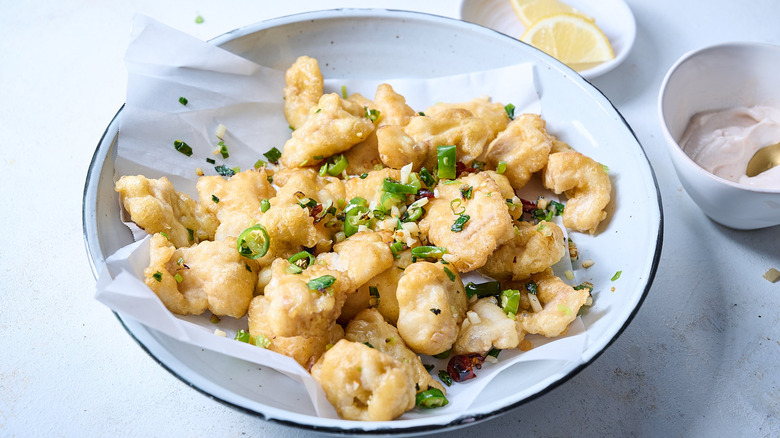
[[460, 222], [321, 283], [273, 155], [182, 147], [183, 100]]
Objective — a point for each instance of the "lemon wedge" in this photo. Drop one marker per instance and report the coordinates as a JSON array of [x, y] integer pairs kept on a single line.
[[571, 38], [531, 11]]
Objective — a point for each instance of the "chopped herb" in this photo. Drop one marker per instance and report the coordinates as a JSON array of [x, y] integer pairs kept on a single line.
[[501, 168], [420, 113], [368, 344], [447, 157], [364, 175], [273, 155], [262, 341], [265, 205], [183, 100], [391, 186], [182, 147], [191, 233], [223, 150], [481, 290], [466, 191], [253, 242], [442, 355], [215, 199], [450, 274], [164, 235], [210, 160], [460, 222], [435, 311], [510, 110], [242, 336], [246, 265], [445, 378], [224, 170], [616, 276], [373, 291], [157, 276], [429, 367], [321, 283]]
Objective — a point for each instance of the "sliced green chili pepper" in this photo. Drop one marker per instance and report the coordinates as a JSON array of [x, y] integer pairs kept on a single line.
[[321, 283], [253, 242], [428, 252], [355, 215], [334, 166], [431, 398], [391, 186], [428, 179], [303, 259], [447, 156], [510, 301], [265, 205], [445, 377]]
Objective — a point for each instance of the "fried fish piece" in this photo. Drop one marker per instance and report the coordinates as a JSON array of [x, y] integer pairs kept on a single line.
[[524, 146], [431, 307], [361, 256], [304, 87], [534, 248], [335, 126], [490, 328], [157, 207], [492, 113], [379, 292], [235, 202], [586, 184], [489, 224], [560, 304], [209, 275], [370, 328], [363, 383]]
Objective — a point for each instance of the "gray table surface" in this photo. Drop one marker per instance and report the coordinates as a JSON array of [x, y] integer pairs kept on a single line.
[[700, 359]]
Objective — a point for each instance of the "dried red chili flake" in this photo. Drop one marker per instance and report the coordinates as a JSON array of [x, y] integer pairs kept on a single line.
[[315, 213], [461, 367], [528, 206], [461, 168], [424, 193]]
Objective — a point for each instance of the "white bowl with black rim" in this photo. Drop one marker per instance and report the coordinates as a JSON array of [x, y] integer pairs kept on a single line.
[[380, 44]]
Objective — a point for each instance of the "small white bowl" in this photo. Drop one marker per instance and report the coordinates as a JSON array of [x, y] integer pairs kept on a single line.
[[714, 78]]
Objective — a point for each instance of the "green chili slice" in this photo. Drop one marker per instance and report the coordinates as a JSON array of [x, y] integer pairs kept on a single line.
[[429, 252], [243, 336], [431, 398], [445, 377], [481, 290], [355, 215], [510, 301], [426, 177], [253, 242], [321, 283], [303, 259], [447, 156], [391, 186], [265, 205]]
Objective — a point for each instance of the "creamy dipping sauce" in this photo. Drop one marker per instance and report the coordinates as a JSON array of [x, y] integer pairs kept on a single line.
[[722, 142]]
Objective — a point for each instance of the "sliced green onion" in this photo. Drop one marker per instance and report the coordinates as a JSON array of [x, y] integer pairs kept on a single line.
[[481, 290], [397, 247], [510, 110], [586, 285], [262, 341], [210, 161], [372, 114], [356, 213], [224, 170], [364, 175], [321, 283], [223, 150], [178, 278], [445, 377], [510, 301], [466, 191], [214, 319], [447, 156], [616, 276], [265, 205], [428, 252], [391, 186], [157, 276], [501, 168], [253, 242], [339, 165], [273, 155], [494, 352], [191, 233], [531, 287], [460, 222], [343, 91], [426, 177], [183, 100], [457, 207], [165, 235], [431, 398], [260, 163], [242, 336], [182, 147], [450, 274], [215, 199], [294, 269]]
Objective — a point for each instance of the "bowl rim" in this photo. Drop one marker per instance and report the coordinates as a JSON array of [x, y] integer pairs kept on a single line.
[[672, 146], [97, 260]]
